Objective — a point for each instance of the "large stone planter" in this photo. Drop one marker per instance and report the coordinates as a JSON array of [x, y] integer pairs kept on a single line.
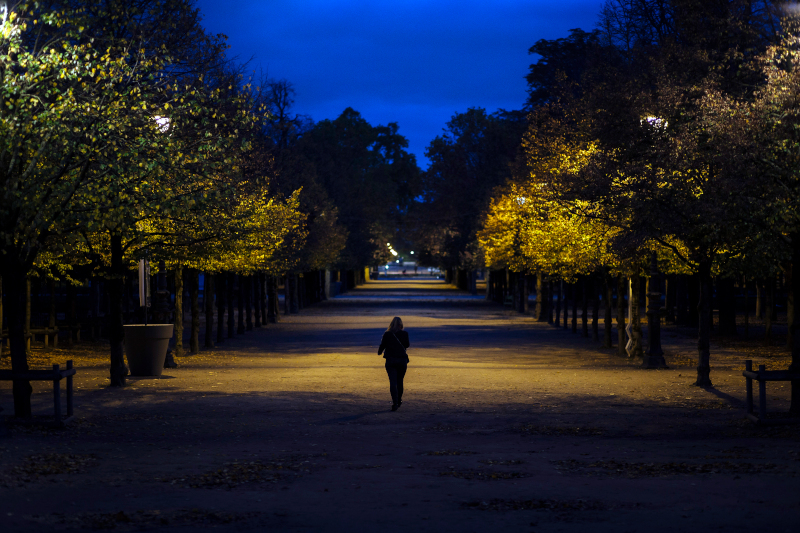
[[146, 348]]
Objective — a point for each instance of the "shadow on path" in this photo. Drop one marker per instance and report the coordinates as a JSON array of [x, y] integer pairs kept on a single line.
[[351, 417]]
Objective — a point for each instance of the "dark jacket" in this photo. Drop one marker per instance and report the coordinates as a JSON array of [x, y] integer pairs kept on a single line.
[[391, 343]]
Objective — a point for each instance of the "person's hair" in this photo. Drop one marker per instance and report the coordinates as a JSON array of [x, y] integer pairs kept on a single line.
[[396, 325]]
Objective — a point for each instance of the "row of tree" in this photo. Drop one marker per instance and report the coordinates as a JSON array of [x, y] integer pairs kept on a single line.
[[666, 140], [127, 133]]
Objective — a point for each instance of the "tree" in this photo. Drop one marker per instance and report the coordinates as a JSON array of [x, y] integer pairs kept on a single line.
[[290, 170], [371, 179], [473, 156], [67, 105]]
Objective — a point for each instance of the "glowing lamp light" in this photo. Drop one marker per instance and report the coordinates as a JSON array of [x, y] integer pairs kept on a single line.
[[412, 252], [656, 122], [163, 123]]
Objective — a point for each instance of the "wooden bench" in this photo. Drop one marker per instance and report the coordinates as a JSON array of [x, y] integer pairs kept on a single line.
[[762, 376], [46, 333], [55, 375], [72, 329], [31, 336]]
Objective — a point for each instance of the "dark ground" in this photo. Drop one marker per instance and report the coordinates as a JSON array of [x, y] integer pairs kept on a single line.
[[506, 423]]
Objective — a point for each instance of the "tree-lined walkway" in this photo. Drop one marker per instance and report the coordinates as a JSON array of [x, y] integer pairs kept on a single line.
[[505, 423]]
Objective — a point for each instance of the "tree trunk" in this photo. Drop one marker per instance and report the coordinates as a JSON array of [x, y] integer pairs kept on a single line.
[[550, 308], [559, 299], [635, 318], [585, 306], [789, 307], [538, 310], [178, 322], [2, 346], [194, 299], [208, 302], [247, 281], [221, 283], [28, 316], [256, 291], [262, 282], [522, 283], [274, 310], [704, 330], [595, 311], [241, 301], [607, 326], [231, 296], [575, 307], [794, 325], [15, 276], [116, 333], [565, 287]]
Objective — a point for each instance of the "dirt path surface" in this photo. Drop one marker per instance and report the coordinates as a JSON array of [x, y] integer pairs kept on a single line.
[[506, 424]]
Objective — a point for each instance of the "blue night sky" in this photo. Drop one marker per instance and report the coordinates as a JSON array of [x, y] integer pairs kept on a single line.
[[407, 61]]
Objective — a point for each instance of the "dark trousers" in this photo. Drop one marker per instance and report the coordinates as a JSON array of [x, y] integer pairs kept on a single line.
[[396, 375]]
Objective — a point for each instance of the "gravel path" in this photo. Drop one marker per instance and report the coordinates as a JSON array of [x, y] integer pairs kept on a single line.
[[505, 423]]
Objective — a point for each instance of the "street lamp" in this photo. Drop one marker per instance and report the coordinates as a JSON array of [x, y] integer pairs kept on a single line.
[[654, 356], [656, 122], [162, 123]]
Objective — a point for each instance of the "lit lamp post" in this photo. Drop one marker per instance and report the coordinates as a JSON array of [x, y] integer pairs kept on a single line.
[[146, 344], [654, 356]]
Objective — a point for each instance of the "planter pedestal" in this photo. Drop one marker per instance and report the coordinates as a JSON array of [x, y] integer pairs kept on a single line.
[[146, 348]]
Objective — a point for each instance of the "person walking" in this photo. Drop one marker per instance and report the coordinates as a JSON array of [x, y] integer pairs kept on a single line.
[[394, 342]]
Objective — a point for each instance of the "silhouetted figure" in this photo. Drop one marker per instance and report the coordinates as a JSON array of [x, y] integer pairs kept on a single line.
[[394, 343]]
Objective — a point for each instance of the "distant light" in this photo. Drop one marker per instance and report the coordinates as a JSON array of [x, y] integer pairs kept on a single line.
[[386, 267], [412, 252], [397, 261], [521, 200], [393, 253], [389, 245]]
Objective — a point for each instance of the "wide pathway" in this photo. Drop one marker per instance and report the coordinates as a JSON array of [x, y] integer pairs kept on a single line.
[[506, 424]]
